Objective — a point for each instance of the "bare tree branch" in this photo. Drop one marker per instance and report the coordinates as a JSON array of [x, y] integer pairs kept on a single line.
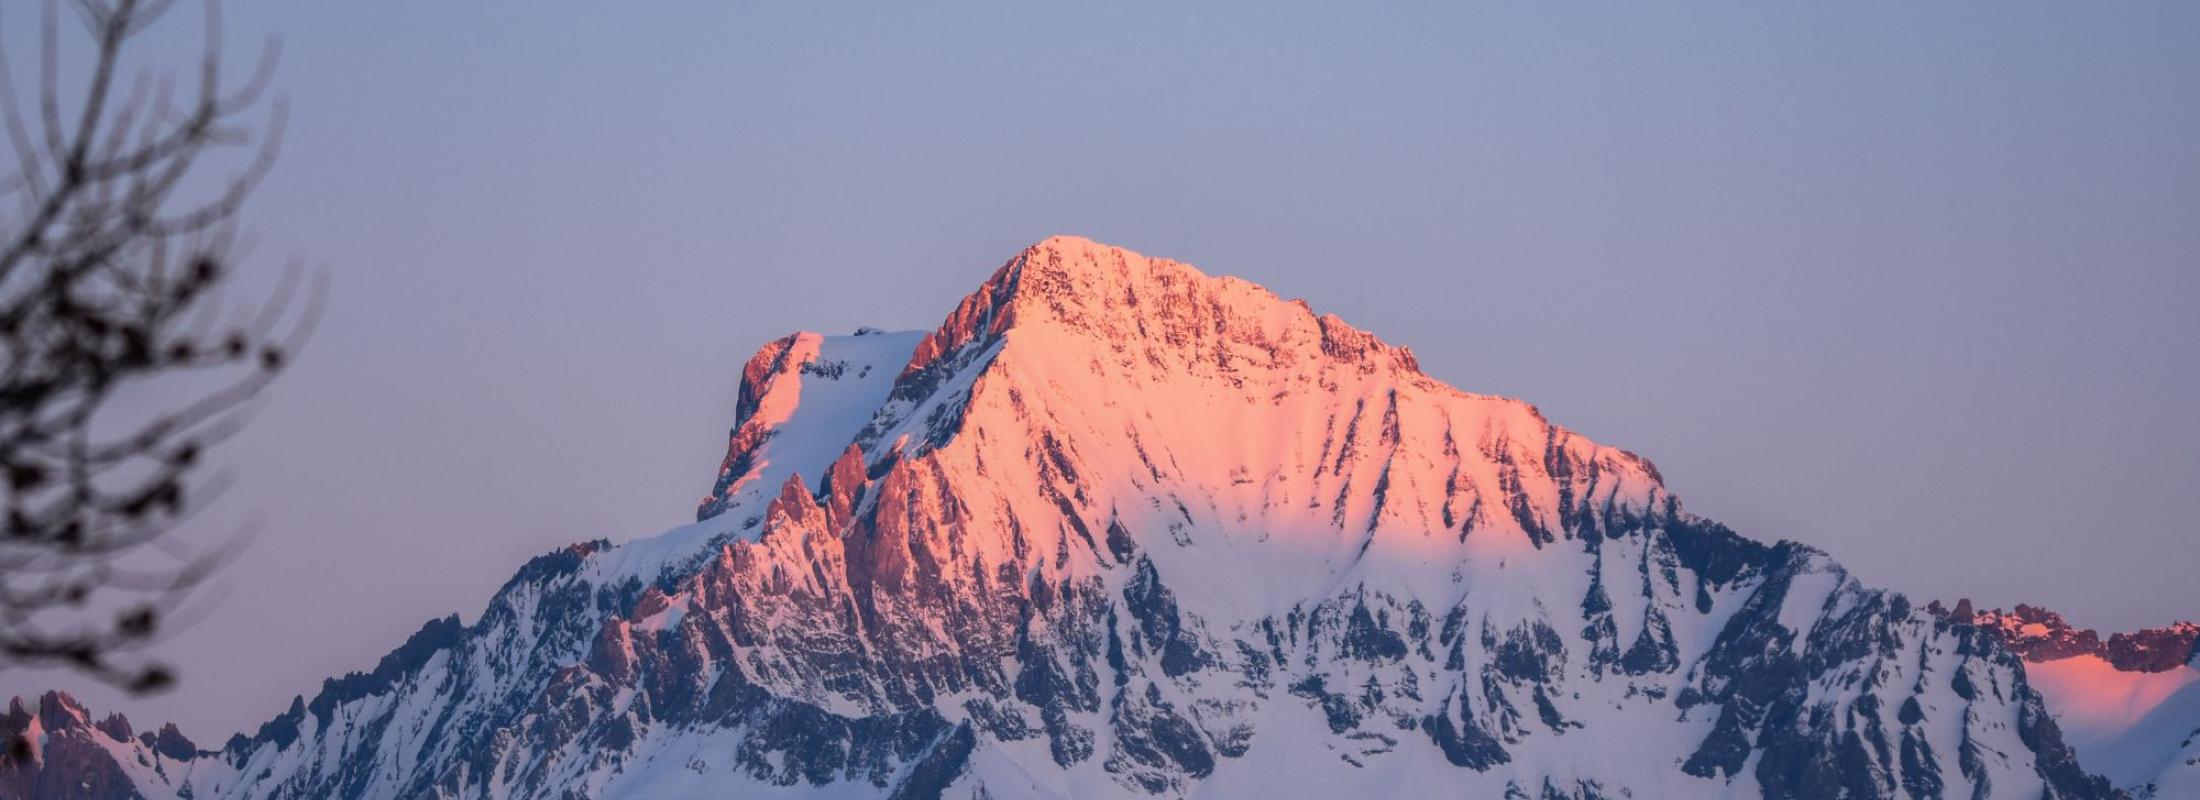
[[111, 291]]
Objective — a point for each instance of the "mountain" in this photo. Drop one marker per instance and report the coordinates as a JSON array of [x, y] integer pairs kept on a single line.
[[2130, 704], [1120, 528]]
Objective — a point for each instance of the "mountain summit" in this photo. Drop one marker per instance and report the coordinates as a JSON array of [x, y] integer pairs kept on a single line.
[[1117, 527]]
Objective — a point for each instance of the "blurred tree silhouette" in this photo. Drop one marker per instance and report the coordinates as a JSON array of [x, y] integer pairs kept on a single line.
[[120, 361]]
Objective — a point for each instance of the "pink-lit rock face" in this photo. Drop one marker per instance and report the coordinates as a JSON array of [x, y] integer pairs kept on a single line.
[[798, 395], [2155, 649], [2038, 634], [1162, 399], [74, 756]]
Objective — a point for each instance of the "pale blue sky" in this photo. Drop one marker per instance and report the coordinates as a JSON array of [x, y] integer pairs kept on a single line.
[[1915, 283]]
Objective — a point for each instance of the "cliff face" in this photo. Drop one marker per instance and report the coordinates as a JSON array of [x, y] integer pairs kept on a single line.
[[1119, 527]]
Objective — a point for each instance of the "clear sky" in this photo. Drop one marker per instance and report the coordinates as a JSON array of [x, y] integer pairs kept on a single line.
[[1915, 283]]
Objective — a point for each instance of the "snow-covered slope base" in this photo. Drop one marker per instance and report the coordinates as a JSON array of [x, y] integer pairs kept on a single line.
[[1117, 528], [2137, 728]]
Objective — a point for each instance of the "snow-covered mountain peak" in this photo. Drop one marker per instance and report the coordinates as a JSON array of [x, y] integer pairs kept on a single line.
[[1165, 312], [1117, 527], [1208, 419]]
